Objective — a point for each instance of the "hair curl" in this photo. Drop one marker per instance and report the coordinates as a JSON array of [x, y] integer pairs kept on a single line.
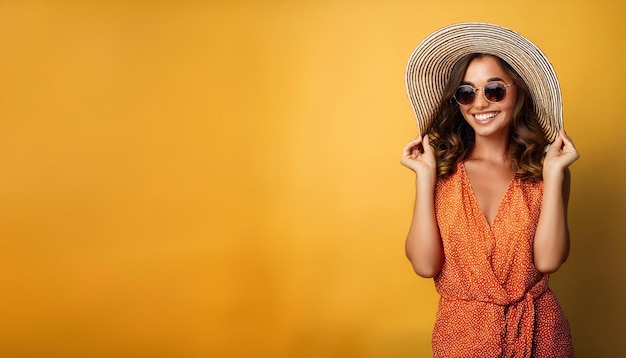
[[453, 139]]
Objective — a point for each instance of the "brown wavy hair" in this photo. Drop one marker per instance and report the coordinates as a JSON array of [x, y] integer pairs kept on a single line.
[[453, 139]]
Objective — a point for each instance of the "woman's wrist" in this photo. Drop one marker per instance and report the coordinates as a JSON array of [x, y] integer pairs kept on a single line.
[[551, 174]]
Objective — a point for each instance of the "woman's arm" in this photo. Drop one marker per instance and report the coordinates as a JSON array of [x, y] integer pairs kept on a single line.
[[552, 243], [423, 243]]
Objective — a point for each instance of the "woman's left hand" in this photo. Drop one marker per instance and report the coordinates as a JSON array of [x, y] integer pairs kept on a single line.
[[560, 154]]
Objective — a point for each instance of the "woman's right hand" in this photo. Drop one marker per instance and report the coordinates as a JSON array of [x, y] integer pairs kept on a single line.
[[423, 242], [419, 156]]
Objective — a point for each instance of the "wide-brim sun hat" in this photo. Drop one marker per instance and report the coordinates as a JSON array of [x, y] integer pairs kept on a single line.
[[431, 63]]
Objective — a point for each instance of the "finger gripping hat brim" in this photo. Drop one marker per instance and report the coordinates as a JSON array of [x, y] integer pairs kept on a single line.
[[431, 63]]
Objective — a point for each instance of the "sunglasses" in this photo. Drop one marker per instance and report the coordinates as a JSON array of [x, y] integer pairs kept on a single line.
[[494, 91]]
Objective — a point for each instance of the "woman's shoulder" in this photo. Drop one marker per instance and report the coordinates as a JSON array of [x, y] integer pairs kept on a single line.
[[532, 182], [532, 188], [450, 182], [457, 170]]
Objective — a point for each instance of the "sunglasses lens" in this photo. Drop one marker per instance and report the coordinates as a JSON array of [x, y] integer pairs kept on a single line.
[[495, 91], [465, 95]]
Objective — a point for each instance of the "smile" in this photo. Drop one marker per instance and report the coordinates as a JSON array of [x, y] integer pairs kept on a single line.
[[485, 116]]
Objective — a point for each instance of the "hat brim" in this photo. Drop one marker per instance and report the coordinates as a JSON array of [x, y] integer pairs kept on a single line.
[[431, 63]]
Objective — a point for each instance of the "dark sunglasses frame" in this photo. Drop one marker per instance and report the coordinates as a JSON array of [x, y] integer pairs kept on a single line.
[[494, 91]]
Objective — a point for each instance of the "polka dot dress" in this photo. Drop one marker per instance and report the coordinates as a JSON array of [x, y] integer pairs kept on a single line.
[[494, 303]]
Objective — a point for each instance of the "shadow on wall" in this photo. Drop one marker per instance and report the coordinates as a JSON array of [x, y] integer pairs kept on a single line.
[[590, 286]]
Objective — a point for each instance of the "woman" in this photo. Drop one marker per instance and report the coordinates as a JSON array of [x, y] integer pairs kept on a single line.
[[492, 187]]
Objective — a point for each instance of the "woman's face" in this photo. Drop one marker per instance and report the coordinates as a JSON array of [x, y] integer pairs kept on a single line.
[[488, 119]]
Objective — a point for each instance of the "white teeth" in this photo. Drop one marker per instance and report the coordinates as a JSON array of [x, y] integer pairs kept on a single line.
[[485, 116]]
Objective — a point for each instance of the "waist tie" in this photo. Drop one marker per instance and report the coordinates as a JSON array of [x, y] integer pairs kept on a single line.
[[520, 322]]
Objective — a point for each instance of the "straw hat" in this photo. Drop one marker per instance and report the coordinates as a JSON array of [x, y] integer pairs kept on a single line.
[[431, 62]]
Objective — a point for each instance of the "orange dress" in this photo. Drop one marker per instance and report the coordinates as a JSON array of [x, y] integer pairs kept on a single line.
[[494, 302]]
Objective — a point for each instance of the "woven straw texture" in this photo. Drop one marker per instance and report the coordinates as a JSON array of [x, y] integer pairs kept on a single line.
[[432, 60]]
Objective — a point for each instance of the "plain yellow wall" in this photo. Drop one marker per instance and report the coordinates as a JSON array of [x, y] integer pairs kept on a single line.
[[222, 178]]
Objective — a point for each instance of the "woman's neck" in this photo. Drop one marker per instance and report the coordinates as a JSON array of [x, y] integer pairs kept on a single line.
[[492, 150]]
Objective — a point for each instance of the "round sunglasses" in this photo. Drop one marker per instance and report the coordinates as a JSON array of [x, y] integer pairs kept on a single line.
[[494, 91]]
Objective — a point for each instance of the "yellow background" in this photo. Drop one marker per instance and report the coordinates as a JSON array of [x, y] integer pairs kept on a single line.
[[222, 178]]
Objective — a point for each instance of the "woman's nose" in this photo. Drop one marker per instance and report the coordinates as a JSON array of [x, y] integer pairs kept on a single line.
[[480, 101]]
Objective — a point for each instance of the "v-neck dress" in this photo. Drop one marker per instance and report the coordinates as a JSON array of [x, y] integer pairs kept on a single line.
[[494, 302]]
